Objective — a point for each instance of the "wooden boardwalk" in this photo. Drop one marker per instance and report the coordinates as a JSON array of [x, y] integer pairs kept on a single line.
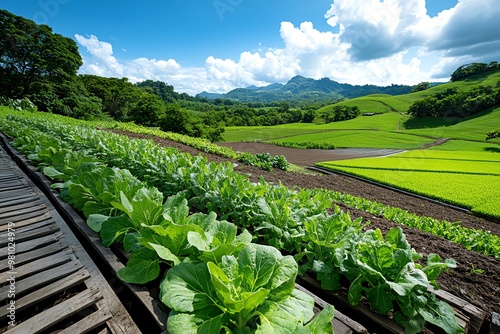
[[48, 283]]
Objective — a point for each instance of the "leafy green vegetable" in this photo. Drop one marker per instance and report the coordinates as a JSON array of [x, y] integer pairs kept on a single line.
[[253, 290]]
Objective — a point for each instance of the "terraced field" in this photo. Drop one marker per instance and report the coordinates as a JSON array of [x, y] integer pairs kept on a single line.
[[468, 179]]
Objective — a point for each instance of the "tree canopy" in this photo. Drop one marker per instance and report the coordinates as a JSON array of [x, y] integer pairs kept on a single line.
[[473, 68], [33, 53]]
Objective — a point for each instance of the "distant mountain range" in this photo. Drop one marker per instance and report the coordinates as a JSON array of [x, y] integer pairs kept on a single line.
[[300, 88]]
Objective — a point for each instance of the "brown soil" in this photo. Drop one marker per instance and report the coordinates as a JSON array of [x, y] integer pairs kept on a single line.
[[466, 281], [308, 157]]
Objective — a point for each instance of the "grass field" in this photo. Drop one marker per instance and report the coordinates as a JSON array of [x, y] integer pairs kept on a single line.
[[468, 179], [359, 139], [470, 146], [392, 118]]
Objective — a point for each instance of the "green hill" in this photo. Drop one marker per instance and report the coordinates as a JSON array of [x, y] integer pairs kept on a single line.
[[391, 115]]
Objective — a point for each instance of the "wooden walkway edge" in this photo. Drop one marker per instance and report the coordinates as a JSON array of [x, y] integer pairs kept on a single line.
[[48, 282]]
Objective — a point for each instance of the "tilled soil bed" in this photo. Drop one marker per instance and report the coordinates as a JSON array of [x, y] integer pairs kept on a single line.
[[476, 278]]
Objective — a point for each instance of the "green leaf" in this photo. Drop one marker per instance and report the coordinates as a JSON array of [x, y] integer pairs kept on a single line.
[[257, 264], [235, 301], [440, 314], [54, 173], [380, 299], [322, 323], [187, 287], [91, 207], [286, 316], [355, 290], [165, 254], [142, 267], [397, 238], [95, 221], [412, 325], [114, 228], [124, 204], [435, 266], [183, 323]]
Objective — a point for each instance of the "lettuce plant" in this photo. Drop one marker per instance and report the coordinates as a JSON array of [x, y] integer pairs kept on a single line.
[[249, 292]]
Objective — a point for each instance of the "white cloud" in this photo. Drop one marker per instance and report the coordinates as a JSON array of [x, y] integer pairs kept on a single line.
[[102, 52], [377, 42]]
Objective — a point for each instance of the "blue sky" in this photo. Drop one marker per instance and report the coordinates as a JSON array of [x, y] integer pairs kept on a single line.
[[218, 45]]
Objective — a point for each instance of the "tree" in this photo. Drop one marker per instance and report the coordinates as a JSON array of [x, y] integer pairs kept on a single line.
[[32, 53], [119, 96], [420, 87], [309, 116], [149, 110], [471, 69], [493, 134], [164, 91]]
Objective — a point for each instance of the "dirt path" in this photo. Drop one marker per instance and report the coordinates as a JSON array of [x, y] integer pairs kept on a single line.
[[309, 157]]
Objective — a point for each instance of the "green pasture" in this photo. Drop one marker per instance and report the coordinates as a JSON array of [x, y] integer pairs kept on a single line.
[[388, 122], [392, 117], [360, 139], [472, 128], [467, 179], [470, 146]]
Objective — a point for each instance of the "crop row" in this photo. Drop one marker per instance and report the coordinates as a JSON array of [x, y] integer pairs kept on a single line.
[[380, 269], [480, 241], [475, 189], [396, 163], [264, 161]]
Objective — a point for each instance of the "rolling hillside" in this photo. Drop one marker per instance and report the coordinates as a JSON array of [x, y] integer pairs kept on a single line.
[[390, 127]]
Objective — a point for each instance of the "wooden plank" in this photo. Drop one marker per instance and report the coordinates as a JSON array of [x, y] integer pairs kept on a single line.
[[35, 254], [43, 264], [13, 193], [20, 218], [7, 174], [59, 312], [48, 291], [89, 323], [27, 229], [477, 316], [26, 198], [33, 244], [41, 279], [340, 317], [21, 206], [31, 233], [121, 322], [8, 201], [11, 186], [19, 224], [20, 211]]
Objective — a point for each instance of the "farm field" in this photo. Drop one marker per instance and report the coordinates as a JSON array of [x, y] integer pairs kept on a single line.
[[358, 139], [473, 128], [467, 261], [391, 117], [467, 179]]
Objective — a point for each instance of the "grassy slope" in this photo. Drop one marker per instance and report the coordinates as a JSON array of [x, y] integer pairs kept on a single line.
[[392, 119]]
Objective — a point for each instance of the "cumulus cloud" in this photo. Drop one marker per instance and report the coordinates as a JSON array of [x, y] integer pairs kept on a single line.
[[104, 62], [371, 42]]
